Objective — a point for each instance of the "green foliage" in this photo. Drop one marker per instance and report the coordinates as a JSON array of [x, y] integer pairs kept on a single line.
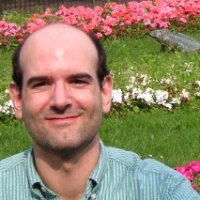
[[16, 17]]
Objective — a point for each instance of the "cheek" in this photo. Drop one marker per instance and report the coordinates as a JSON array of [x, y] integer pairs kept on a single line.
[[89, 99], [34, 102]]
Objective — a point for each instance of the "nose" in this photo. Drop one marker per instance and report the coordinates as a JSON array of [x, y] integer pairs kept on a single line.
[[60, 98]]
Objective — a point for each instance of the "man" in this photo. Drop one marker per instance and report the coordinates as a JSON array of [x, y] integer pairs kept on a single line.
[[61, 89]]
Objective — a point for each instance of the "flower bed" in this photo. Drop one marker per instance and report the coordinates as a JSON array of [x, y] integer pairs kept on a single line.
[[111, 20], [167, 92]]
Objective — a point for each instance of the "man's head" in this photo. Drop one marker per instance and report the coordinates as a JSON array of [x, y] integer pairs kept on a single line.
[[64, 88], [102, 69]]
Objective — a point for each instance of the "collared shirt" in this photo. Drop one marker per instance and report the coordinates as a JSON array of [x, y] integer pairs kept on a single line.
[[119, 175]]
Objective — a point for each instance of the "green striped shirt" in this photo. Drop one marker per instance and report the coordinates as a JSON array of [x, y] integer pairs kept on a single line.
[[119, 175]]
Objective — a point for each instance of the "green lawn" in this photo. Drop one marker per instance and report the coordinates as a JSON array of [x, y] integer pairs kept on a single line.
[[172, 137]]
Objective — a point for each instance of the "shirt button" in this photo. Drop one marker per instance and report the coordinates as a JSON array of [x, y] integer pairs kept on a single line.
[[93, 196], [43, 189]]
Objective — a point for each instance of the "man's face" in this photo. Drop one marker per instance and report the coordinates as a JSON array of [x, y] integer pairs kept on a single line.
[[61, 101]]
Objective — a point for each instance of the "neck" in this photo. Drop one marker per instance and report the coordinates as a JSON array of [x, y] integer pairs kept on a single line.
[[67, 176]]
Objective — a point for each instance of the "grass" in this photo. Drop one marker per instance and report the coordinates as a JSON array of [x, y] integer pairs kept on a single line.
[[144, 55], [5, 68], [172, 137]]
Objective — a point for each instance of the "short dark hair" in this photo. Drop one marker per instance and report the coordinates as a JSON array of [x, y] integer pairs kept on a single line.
[[16, 69], [102, 70]]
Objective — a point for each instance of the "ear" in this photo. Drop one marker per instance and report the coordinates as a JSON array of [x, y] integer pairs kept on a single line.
[[15, 95], [106, 93]]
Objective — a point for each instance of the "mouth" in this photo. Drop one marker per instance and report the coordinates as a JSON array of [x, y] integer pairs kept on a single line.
[[57, 120]]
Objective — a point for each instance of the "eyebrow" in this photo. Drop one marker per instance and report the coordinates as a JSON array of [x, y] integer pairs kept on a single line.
[[81, 76], [37, 79]]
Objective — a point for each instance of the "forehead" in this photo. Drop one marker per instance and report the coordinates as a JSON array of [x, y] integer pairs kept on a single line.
[[58, 43]]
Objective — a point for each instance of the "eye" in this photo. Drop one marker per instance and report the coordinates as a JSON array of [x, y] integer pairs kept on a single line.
[[79, 81], [40, 85]]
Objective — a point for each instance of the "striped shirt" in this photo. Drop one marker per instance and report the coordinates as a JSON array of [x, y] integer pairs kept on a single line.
[[119, 175]]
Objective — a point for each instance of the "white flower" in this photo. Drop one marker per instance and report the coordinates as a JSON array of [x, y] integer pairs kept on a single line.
[[197, 83], [161, 96], [7, 112], [128, 87], [197, 94], [188, 64], [188, 71], [147, 96], [9, 103], [132, 79], [167, 105], [7, 108], [6, 91], [136, 92], [149, 90], [188, 67], [175, 101], [127, 96], [144, 80], [185, 95], [166, 81], [117, 96]]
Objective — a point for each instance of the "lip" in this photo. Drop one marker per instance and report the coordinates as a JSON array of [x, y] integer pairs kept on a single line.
[[62, 119]]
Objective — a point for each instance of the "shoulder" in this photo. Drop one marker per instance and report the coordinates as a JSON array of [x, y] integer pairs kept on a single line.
[[132, 162], [16, 161], [122, 157], [149, 175]]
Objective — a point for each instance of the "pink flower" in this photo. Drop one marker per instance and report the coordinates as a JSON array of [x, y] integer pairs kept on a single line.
[[98, 10], [110, 21], [20, 40], [89, 27], [195, 167], [99, 35], [62, 11], [195, 186], [48, 12], [71, 19], [185, 172], [106, 30], [190, 171], [183, 20], [181, 169]]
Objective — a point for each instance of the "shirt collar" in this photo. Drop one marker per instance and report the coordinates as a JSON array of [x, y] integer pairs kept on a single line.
[[101, 166], [34, 179], [32, 174]]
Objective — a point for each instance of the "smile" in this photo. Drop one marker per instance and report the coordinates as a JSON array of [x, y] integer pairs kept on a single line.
[[62, 119]]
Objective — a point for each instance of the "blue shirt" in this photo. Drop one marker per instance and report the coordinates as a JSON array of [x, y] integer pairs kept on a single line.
[[119, 175]]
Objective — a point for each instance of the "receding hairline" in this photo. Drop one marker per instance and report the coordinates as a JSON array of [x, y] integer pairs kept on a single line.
[[64, 27]]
